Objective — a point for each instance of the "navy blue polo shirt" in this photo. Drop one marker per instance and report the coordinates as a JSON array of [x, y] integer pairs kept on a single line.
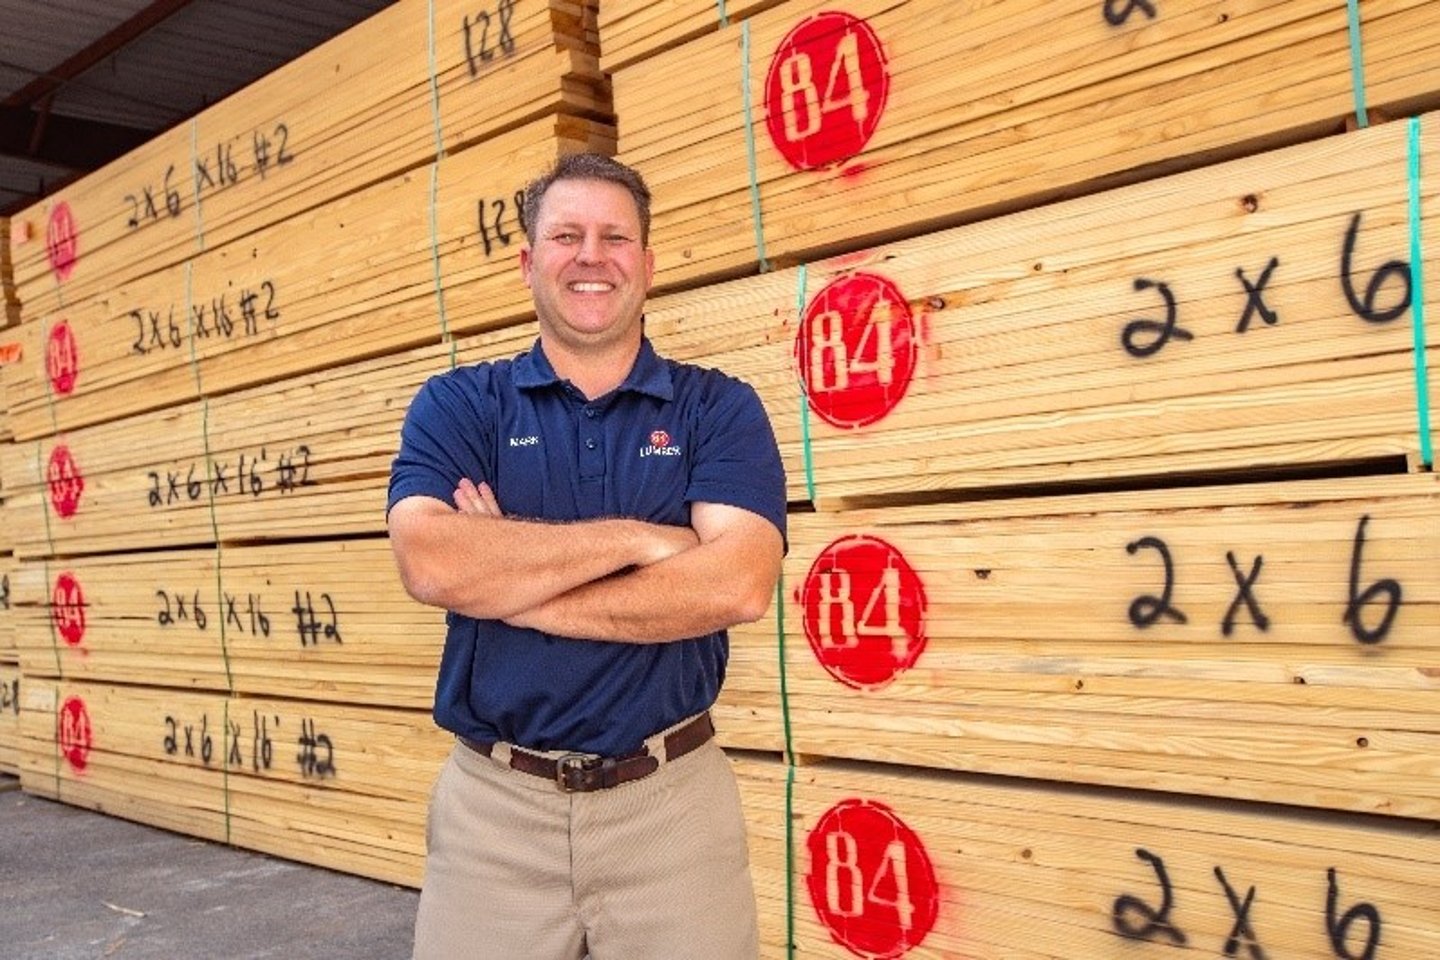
[[672, 434]]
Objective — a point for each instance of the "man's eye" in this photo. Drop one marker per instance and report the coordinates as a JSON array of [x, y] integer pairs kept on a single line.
[[565, 237], [617, 238]]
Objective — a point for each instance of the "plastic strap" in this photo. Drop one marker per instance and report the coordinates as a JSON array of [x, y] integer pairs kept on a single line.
[[435, 86], [50, 607], [720, 11], [1417, 283], [45, 504], [802, 280], [750, 148], [1357, 64], [435, 259], [789, 771]]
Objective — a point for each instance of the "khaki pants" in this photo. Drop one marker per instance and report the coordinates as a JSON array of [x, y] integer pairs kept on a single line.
[[656, 869]]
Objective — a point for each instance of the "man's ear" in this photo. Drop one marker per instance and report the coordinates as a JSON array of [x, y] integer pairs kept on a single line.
[[649, 267], [525, 263]]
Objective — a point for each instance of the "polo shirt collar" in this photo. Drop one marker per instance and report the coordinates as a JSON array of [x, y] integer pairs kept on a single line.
[[650, 375]]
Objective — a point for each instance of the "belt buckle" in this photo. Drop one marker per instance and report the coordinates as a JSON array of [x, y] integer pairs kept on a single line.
[[570, 771]]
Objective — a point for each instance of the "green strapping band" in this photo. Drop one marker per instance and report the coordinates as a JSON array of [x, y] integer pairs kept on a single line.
[[194, 159], [435, 86], [720, 9], [45, 329], [802, 280], [750, 148], [57, 743], [1357, 64], [435, 259], [1417, 286], [44, 500], [790, 771], [190, 326]]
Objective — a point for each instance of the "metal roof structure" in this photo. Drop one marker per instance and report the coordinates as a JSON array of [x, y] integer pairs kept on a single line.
[[82, 82]]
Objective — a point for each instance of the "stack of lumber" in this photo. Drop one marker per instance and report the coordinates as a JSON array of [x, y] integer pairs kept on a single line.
[[896, 117], [1114, 336], [9, 303], [320, 782], [890, 863], [364, 275], [636, 29], [201, 601], [322, 127]]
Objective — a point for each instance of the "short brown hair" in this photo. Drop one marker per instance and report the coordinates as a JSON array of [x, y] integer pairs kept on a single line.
[[587, 166]]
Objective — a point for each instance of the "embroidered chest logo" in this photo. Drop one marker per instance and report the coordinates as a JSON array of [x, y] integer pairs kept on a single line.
[[530, 441], [660, 446]]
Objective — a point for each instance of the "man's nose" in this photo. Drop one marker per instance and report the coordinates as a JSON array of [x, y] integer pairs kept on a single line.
[[591, 249]]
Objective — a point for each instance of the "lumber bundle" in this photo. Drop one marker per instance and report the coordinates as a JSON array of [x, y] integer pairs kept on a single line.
[[342, 786], [891, 863], [632, 30], [1263, 642], [418, 256], [323, 126], [9, 717], [893, 118], [1253, 315], [319, 621], [308, 457], [9, 302]]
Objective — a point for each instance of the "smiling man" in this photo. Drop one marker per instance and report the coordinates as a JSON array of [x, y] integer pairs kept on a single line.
[[593, 517]]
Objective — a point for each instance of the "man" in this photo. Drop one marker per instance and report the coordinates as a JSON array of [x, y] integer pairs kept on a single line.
[[593, 517]]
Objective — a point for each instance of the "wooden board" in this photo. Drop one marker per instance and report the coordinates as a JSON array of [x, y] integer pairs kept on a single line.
[[1269, 642], [632, 30], [10, 682], [9, 302], [1127, 334], [894, 118], [8, 611], [318, 621], [342, 787], [382, 269], [989, 869], [324, 125], [309, 457]]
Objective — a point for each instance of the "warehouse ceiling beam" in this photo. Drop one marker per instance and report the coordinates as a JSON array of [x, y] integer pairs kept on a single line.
[[61, 141], [48, 81]]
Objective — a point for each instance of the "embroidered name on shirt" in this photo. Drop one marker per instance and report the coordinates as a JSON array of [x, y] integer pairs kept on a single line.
[[524, 441], [660, 446]]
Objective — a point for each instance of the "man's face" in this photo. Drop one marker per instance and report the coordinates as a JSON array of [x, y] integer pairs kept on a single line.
[[588, 271]]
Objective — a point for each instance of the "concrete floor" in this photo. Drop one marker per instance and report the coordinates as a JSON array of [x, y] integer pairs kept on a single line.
[[77, 885]]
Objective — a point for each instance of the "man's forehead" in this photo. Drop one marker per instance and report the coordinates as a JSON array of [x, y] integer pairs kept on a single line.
[[574, 198]]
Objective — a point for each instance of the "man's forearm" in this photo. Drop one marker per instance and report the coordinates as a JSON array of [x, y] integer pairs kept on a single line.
[[492, 567], [708, 588]]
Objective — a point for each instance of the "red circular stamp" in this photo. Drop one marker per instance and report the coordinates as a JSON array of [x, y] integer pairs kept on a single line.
[[67, 609], [61, 240], [871, 880], [864, 611], [65, 481], [74, 736], [856, 350], [62, 358], [826, 90]]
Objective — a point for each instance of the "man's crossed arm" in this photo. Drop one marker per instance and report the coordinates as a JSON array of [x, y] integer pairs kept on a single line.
[[613, 579]]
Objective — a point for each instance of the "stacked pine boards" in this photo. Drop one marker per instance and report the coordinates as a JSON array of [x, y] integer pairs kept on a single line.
[[1096, 347]]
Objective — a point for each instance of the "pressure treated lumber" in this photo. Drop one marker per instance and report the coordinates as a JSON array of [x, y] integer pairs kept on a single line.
[[309, 457], [1010, 870], [1271, 642], [431, 252], [632, 30], [319, 621], [340, 786], [1252, 315], [324, 125], [988, 108]]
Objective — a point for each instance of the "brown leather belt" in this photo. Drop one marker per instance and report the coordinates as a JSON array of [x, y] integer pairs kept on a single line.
[[583, 772]]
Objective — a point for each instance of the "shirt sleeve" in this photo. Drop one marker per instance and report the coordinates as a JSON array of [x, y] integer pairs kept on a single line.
[[737, 460], [448, 434]]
